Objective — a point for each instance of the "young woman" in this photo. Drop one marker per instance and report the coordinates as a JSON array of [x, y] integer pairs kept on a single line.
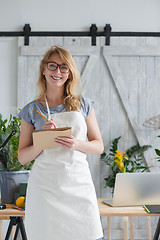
[[61, 200]]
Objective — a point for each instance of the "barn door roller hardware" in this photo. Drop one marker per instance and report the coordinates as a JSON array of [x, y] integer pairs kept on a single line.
[[93, 33], [27, 31], [107, 33]]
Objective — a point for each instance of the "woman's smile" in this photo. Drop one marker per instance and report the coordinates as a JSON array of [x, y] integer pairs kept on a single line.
[[56, 77]]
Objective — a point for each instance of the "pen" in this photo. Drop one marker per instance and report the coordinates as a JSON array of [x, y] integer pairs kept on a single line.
[[44, 117], [17, 208]]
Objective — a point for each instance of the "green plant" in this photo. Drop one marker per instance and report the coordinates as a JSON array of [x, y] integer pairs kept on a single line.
[[9, 154], [129, 161]]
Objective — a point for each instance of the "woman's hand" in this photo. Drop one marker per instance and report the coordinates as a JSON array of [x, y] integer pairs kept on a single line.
[[68, 143], [49, 125], [94, 145]]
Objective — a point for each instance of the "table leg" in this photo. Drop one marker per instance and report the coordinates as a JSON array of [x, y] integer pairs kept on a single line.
[[16, 233], [18, 222], [125, 223], [109, 228], [131, 228], [157, 232], [149, 227], [11, 224], [1, 229], [22, 229], [13, 232]]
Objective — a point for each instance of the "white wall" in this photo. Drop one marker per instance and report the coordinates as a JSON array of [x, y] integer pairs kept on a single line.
[[123, 15], [8, 73], [64, 15]]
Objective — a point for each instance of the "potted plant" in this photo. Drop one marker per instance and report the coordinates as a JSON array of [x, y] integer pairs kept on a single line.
[[129, 161], [12, 173]]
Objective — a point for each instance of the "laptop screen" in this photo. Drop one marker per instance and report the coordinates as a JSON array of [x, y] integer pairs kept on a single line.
[[132, 189]]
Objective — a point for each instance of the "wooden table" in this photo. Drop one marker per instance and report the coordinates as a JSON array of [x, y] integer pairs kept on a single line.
[[127, 213], [16, 219]]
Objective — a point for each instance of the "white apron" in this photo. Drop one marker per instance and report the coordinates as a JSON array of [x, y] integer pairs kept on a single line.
[[61, 200]]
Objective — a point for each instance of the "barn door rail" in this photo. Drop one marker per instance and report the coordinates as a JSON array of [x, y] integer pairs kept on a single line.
[[93, 33]]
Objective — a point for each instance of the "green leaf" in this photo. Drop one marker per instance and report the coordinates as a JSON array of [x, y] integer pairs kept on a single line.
[[137, 149], [9, 154], [114, 145], [103, 155], [110, 181], [157, 152]]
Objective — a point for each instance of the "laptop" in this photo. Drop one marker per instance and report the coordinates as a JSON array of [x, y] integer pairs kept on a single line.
[[134, 189]]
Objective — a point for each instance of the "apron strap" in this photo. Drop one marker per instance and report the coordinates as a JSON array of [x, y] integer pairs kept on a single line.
[[49, 114]]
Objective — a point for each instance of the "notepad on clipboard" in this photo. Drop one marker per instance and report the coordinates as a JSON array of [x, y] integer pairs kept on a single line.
[[44, 139]]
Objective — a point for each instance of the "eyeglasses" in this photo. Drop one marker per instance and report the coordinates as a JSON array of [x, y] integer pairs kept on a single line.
[[53, 66]]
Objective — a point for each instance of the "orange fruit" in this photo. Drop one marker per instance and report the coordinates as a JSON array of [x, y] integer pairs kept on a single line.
[[20, 201]]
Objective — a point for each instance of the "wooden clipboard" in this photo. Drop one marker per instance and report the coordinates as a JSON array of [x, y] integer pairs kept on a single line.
[[44, 139]]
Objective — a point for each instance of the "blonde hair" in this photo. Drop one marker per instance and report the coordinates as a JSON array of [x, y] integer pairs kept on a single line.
[[71, 96]]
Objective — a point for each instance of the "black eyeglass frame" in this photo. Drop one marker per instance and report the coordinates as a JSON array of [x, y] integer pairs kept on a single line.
[[58, 65]]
